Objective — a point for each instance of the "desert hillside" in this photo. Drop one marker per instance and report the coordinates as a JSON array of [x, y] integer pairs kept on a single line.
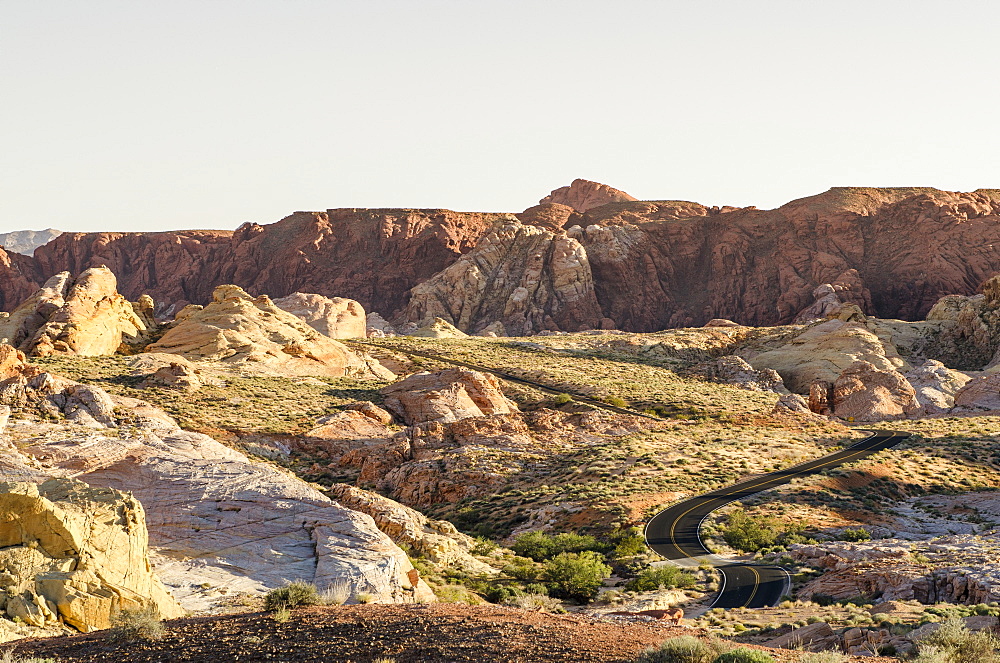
[[268, 474]]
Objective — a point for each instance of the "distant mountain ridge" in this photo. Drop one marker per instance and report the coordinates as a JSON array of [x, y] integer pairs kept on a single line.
[[26, 241], [611, 262]]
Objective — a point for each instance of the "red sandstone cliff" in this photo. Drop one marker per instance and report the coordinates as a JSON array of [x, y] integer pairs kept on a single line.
[[654, 264]]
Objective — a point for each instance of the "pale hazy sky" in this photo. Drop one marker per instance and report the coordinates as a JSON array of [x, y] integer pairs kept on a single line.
[[141, 115]]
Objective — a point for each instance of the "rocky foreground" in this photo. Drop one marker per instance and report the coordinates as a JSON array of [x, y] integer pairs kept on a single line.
[[440, 633]]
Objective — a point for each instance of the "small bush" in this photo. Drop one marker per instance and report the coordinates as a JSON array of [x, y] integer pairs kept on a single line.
[[282, 615], [291, 595], [562, 399], [744, 655], [616, 401], [684, 649], [364, 597], [665, 577], [8, 656], [337, 593], [140, 624], [954, 642], [858, 534], [824, 657], [576, 576], [535, 602]]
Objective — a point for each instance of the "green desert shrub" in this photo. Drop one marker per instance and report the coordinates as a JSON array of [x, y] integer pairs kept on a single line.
[[744, 655], [752, 533], [856, 534], [540, 546], [293, 594], [661, 577], [130, 625], [684, 649], [576, 576], [954, 643]]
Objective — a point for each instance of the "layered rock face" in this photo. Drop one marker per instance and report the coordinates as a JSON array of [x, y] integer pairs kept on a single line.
[[215, 518], [446, 396], [655, 264], [252, 331], [865, 393], [84, 316], [584, 195], [371, 256], [335, 317], [76, 554], [524, 277]]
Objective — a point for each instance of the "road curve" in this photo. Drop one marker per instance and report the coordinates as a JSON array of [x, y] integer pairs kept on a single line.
[[674, 532]]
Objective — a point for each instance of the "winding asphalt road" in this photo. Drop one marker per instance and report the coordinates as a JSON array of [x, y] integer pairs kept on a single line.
[[674, 532]]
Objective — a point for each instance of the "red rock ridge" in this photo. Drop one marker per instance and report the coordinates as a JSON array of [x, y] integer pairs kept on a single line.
[[655, 264]]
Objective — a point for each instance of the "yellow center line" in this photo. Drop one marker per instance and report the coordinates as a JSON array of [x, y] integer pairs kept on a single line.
[[756, 584], [673, 525]]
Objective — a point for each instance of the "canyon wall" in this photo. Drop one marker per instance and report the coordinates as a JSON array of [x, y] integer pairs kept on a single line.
[[652, 264]]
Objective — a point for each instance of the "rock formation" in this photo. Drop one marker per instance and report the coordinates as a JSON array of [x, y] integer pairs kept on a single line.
[[446, 396], [524, 277], [27, 387], [980, 393], [936, 386], [84, 316], [335, 317], [436, 540], [75, 554], [863, 392], [583, 195], [831, 297], [734, 370], [437, 328], [655, 264], [215, 518], [252, 332], [821, 352]]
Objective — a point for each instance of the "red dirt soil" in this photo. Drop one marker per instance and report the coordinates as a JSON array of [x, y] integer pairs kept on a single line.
[[434, 633]]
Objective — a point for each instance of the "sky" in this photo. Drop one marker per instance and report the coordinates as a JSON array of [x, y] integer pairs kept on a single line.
[[144, 116]]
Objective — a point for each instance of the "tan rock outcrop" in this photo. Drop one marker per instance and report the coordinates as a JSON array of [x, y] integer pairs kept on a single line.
[[865, 393], [438, 328], [980, 393], [583, 195], [216, 519], [252, 332], [822, 351], [335, 317], [27, 387], [176, 376], [844, 299], [84, 316], [437, 540], [936, 386], [736, 371], [75, 553], [524, 277], [446, 396]]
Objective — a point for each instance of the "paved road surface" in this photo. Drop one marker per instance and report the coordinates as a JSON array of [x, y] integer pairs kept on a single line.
[[674, 532]]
